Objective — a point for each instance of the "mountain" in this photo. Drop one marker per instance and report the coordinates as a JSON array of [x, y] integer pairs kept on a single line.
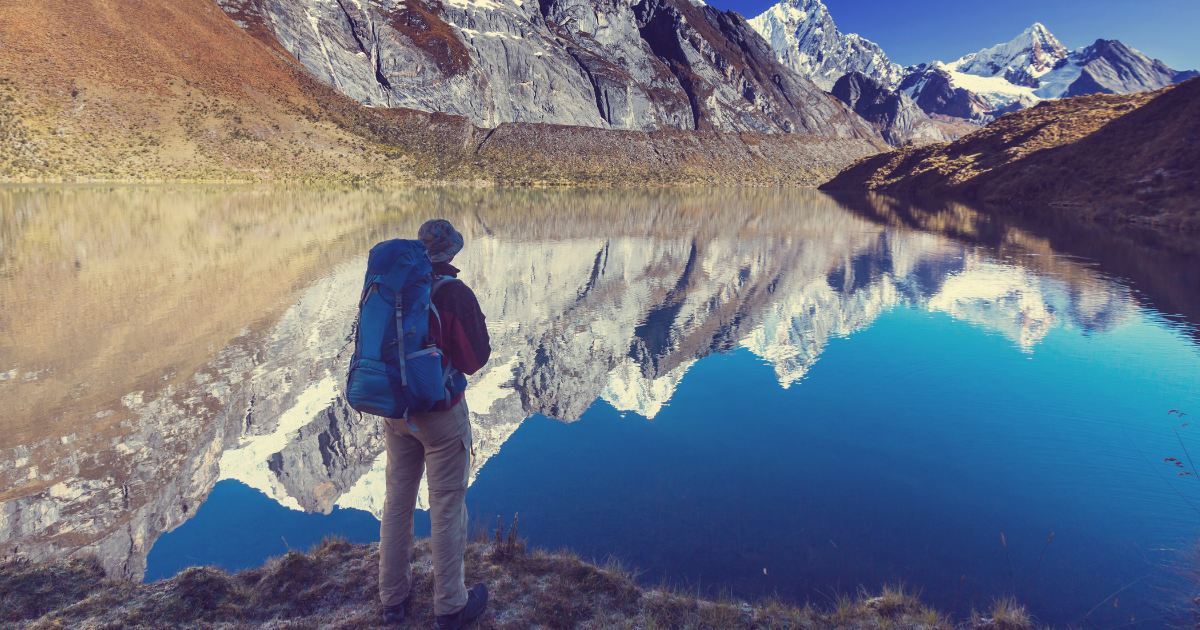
[[806, 40], [649, 65], [933, 90], [894, 114], [1035, 66], [1128, 157], [1110, 67], [171, 90], [978, 87], [1021, 61]]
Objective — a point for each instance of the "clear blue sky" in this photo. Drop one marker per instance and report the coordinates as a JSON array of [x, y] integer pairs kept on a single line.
[[913, 31]]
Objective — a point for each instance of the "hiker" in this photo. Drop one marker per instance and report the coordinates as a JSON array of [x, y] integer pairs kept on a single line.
[[439, 440]]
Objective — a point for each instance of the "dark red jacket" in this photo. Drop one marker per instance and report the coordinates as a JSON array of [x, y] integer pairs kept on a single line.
[[463, 335]]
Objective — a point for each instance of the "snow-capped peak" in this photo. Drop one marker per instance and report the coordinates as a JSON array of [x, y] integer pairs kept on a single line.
[[806, 40], [1021, 61]]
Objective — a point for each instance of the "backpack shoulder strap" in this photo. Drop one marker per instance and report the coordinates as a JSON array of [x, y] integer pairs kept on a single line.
[[439, 282]]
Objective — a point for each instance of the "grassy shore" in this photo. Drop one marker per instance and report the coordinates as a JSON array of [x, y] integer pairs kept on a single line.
[[334, 586]]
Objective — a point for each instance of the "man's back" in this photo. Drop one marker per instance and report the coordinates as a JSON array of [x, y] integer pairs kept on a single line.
[[460, 328]]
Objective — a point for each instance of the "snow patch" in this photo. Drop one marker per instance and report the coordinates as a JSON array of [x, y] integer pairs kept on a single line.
[[481, 394], [248, 462]]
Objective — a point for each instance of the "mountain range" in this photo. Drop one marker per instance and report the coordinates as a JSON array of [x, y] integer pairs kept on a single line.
[[979, 86], [674, 64], [559, 91], [646, 65], [187, 90]]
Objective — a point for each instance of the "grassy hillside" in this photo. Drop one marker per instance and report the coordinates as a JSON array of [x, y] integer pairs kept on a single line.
[[335, 586], [1127, 157], [173, 90]]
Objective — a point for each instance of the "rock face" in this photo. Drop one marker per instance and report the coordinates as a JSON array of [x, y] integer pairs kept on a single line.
[[894, 114], [1035, 66], [1030, 55], [656, 64], [932, 88], [806, 40], [1110, 67], [978, 87]]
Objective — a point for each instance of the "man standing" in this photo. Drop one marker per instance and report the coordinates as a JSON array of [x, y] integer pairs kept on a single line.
[[440, 440]]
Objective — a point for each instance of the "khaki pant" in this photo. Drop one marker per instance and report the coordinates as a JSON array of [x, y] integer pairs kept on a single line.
[[443, 443]]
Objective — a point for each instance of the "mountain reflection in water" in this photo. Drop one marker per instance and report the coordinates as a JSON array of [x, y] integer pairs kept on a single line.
[[154, 341]]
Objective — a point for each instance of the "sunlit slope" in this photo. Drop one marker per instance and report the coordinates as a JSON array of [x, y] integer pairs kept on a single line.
[[1112, 156], [174, 90]]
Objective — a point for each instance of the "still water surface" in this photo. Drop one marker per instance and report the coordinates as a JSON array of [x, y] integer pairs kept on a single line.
[[762, 391]]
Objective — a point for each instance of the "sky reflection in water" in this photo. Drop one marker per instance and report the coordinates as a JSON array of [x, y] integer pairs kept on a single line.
[[766, 391]]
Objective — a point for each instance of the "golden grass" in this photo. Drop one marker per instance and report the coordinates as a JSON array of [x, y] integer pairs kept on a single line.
[[1129, 157]]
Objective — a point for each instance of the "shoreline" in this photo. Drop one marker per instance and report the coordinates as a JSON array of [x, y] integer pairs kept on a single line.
[[334, 585]]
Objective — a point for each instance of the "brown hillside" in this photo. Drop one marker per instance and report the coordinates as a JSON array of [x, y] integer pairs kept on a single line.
[[174, 90], [1134, 157]]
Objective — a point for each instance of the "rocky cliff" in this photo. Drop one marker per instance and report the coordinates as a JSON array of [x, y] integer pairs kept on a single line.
[[194, 96], [900, 120], [649, 65], [806, 40]]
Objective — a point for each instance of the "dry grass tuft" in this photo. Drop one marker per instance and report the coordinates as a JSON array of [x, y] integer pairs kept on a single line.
[[333, 585], [29, 590]]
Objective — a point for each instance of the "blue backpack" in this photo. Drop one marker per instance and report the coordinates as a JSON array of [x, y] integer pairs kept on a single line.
[[397, 366]]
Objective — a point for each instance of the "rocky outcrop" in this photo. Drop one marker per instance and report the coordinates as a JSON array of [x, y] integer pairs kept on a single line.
[[932, 88], [653, 65], [326, 457], [894, 114], [806, 40]]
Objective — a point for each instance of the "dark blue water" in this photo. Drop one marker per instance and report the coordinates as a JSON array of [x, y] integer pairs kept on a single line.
[[769, 391], [238, 527], [904, 455]]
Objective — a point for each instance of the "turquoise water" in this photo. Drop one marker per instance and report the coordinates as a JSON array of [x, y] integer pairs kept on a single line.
[[759, 392], [901, 457]]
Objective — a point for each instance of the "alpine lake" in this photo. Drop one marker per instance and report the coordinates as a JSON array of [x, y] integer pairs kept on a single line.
[[755, 392]]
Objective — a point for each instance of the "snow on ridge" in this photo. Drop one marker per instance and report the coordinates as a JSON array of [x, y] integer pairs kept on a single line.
[[248, 462], [806, 40]]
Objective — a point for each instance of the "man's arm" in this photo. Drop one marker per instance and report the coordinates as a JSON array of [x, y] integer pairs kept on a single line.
[[464, 335]]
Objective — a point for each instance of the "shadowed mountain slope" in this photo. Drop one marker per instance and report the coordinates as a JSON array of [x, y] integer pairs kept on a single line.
[[1133, 156], [893, 113]]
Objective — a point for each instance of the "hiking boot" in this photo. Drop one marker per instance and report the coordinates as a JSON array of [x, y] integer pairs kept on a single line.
[[477, 599], [393, 615]]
